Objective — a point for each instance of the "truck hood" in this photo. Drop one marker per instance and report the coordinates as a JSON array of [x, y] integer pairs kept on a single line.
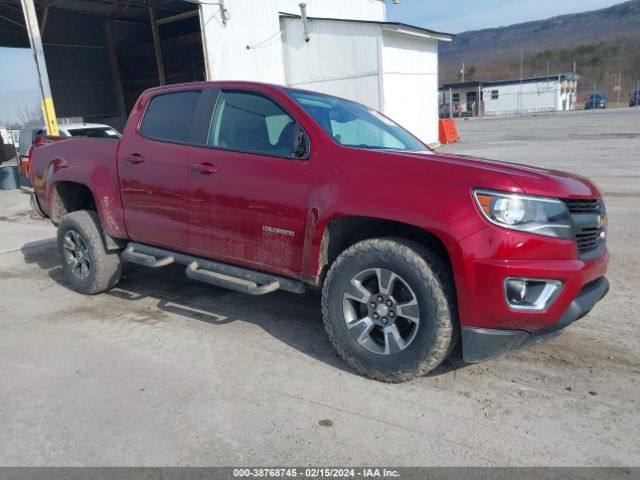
[[532, 180]]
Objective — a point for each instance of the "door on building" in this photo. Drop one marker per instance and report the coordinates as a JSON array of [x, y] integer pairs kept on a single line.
[[152, 164], [247, 190], [472, 102]]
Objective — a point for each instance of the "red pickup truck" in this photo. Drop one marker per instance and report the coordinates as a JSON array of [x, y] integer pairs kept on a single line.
[[258, 187]]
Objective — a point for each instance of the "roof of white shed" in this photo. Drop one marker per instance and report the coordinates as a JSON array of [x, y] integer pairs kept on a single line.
[[395, 27]]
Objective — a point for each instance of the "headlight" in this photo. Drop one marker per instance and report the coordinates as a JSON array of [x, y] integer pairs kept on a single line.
[[540, 215]]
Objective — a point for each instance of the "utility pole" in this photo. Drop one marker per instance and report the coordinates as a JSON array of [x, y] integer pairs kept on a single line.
[[547, 73], [619, 87], [35, 39], [521, 78]]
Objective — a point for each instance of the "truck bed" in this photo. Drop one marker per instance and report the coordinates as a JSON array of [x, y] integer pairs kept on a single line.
[[88, 161]]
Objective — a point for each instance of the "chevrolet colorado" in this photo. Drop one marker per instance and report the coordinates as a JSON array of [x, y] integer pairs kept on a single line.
[[257, 187]]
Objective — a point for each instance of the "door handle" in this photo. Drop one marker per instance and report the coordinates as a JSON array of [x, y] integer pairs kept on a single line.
[[206, 168], [135, 158]]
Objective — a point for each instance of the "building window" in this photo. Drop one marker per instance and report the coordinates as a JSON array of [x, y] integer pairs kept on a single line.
[[494, 94]]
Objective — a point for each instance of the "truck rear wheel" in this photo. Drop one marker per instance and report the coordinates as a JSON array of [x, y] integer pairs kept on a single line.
[[389, 309], [88, 266]]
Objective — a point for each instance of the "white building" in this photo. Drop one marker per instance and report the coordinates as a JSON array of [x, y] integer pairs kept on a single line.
[[553, 93], [535, 94], [10, 136], [348, 50], [101, 54]]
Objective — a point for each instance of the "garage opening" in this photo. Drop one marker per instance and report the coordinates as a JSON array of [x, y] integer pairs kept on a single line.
[[101, 54]]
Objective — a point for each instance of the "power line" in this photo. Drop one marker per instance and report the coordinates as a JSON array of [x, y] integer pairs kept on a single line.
[[263, 42]]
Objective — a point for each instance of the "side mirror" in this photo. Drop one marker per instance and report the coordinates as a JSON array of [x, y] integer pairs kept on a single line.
[[301, 144]]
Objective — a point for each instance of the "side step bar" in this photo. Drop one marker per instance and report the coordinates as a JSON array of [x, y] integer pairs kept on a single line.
[[214, 273], [130, 255], [219, 280]]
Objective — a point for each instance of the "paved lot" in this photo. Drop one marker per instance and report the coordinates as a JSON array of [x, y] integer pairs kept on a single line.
[[164, 371]]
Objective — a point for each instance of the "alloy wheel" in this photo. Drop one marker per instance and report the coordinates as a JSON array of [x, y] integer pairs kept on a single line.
[[381, 311], [76, 254]]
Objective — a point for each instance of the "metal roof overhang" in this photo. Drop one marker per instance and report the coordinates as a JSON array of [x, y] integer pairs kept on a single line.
[[13, 31], [392, 27]]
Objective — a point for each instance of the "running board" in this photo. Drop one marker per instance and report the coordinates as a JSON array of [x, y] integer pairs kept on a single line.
[[130, 255], [238, 284], [214, 273]]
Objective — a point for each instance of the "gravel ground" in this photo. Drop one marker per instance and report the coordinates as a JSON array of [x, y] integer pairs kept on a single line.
[[164, 371]]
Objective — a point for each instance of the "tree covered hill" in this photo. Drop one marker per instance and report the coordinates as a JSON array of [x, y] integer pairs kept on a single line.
[[604, 44]]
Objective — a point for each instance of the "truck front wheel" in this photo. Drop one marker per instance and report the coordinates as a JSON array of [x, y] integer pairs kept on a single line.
[[389, 309], [88, 266]]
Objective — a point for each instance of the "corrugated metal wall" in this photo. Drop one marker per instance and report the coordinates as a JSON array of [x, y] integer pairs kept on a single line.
[[395, 73], [342, 59], [98, 66], [77, 57], [410, 83]]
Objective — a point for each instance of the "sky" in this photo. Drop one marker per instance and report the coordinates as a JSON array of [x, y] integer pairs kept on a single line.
[[455, 16], [18, 79], [18, 83]]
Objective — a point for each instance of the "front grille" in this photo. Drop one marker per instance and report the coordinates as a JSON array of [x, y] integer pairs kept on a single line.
[[588, 239], [587, 224], [583, 206]]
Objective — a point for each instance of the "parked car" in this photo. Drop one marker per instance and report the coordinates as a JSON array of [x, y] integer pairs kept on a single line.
[[259, 188], [93, 130], [634, 99], [595, 100]]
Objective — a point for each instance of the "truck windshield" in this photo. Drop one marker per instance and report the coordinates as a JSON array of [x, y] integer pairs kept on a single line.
[[353, 125]]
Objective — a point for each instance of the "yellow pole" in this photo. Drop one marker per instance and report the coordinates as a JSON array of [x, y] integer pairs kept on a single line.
[[35, 39]]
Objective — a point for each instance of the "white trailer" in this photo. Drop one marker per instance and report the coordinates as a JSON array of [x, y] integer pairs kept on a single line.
[[533, 95]]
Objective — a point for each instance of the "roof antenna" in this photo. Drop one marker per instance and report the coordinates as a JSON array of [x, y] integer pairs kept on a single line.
[[305, 21]]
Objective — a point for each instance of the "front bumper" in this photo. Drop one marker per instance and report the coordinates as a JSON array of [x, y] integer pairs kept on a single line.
[[490, 256], [480, 344]]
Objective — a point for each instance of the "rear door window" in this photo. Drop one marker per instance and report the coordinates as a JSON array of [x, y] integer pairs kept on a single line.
[[169, 116]]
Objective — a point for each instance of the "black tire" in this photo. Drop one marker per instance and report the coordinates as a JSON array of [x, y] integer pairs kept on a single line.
[[35, 206], [429, 281], [103, 267]]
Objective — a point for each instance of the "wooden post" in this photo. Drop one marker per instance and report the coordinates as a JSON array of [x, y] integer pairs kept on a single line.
[[115, 70], [156, 42]]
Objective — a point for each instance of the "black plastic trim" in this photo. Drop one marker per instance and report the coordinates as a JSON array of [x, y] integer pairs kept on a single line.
[[480, 344]]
